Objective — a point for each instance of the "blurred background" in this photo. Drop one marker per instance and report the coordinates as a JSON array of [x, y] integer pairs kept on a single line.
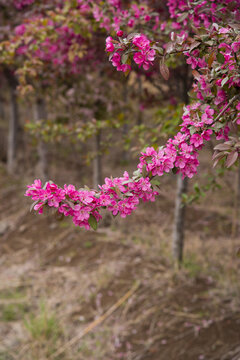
[[56, 279]]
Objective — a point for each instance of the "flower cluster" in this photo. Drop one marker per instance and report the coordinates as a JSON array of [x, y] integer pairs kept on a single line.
[[119, 196], [122, 195], [216, 86], [144, 56], [20, 4], [202, 13], [112, 14], [139, 44], [66, 47], [181, 152]]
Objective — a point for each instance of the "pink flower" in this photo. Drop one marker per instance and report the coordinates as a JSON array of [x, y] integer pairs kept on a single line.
[[86, 196], [141, 41], [196, 140], [109, 45], [186, 150], [207, 134], [20, 30], [192, 61], [116, 59], [144, 58], [22, 50], [131, 23], [119, 33], [39, 207], [180, 162], [81, 213], [105, 200], [125, 67], [220, 97], [163, 26], [223, 31], [235, 46]]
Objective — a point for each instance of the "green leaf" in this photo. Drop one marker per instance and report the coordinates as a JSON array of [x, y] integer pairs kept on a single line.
[[218, 126], [164, 69], [124, 58], [93, 222], [220, 58], [32, 206], [183, 17], [224, 81], [193, 130], [158, 49], [196, 188], [144, 171], [77, 28], [155, 182], [127, 181]]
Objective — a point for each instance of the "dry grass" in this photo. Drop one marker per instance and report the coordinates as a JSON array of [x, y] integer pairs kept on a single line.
[[55, 280]]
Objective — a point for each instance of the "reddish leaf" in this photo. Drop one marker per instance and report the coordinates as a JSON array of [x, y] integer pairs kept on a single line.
[[164, 69], [233, 127], [232, 157], [196, 74], [194, 45], [169, 47], [218, 155], [222, 147], [211, 58], [217, 160]]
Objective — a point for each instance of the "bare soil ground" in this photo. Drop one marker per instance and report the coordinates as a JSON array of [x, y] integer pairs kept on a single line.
[[69, 294]]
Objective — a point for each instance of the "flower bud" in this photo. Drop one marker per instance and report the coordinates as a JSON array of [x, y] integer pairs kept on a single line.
[[119, 33]]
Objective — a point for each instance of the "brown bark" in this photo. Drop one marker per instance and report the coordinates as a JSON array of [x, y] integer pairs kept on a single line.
[[13, 125], [125, 129], [97, 161], [236, 205], [179, 214], [140, 113], [3, 137], [42, 166], [179, 220]]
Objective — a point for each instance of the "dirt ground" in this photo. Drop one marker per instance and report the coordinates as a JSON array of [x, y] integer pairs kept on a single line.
[[69, 294]]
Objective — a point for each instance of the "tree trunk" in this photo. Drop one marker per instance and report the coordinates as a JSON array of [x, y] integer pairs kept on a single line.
[[42, 167], [125, 129], [3, 142], [13, 127], [97, 161], [140, 113], [236, 205], [2, 109], [179, 217]]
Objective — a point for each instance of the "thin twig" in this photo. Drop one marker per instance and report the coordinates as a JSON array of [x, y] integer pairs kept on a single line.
[[98, 321], [225, 108], [182, 314]]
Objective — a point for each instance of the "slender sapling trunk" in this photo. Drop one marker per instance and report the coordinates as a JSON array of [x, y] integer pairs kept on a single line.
[[236, 205], [179, 214], [13, 127], [179, 220], [97, 161], [41, 114]]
